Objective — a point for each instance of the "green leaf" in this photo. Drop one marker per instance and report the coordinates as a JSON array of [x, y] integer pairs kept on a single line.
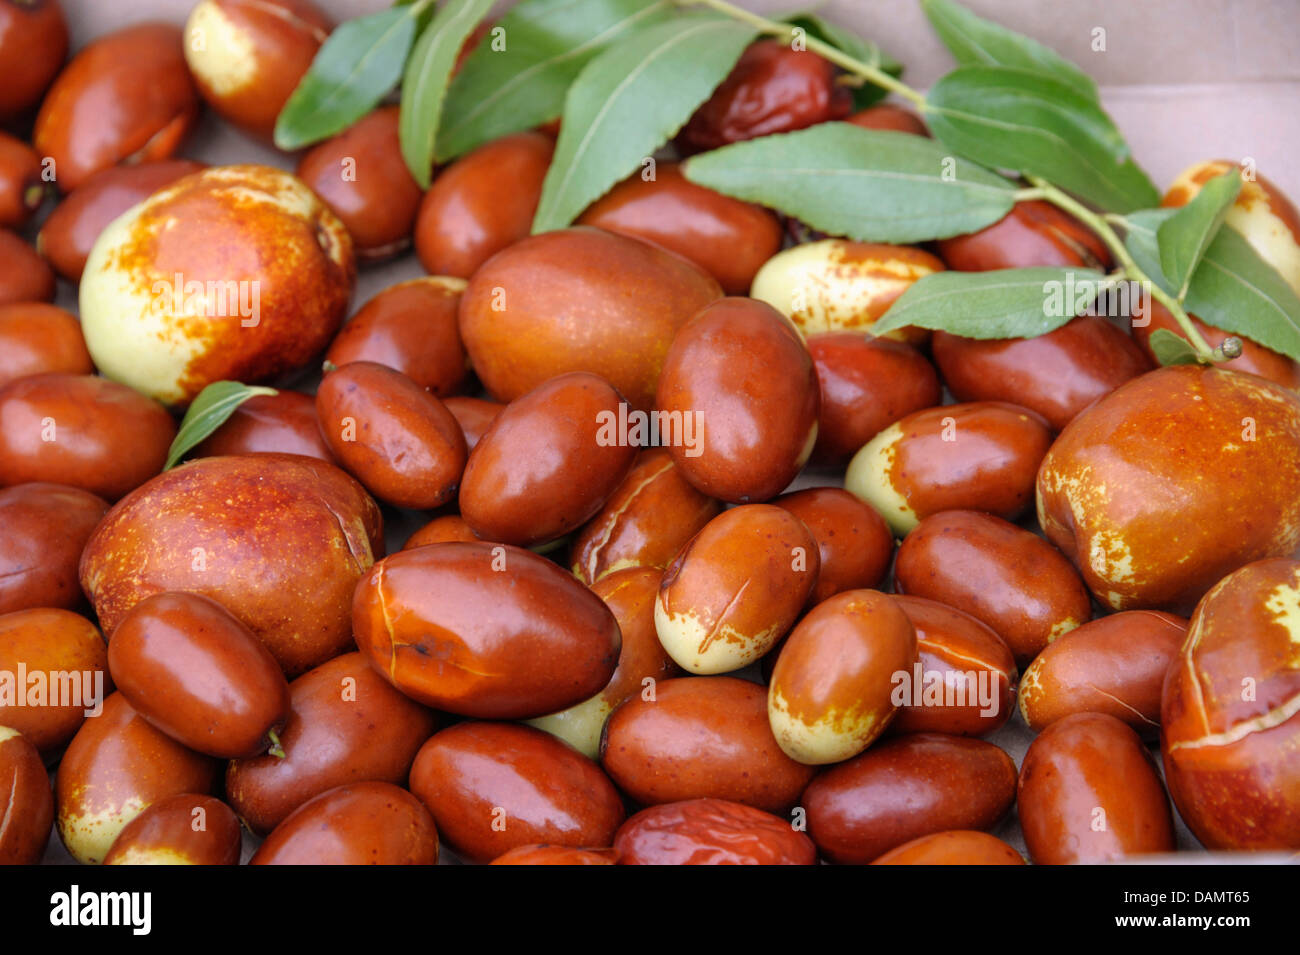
[[855, 46], [1006, 303], [975, 41], [548, 42], [1012, 119], [352, 72], [424, 86], [1232, 289], [1185, 235], [1171, 349], [210, 410], [871, 185], [630, 100]]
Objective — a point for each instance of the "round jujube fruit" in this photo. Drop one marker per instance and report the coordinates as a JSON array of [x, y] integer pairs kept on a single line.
[[711, 832], [233, 273], [442, 530], [29, 804], [282, 423], [889, 117], [1033, 233], [125, 97], [68, 653], [33, 45], [1171, 482], [36, 338], [185, 829], [46, 527], [853, 541], [24, 276], [579, 300]]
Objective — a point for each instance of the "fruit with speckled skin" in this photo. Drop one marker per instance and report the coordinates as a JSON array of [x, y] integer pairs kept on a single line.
[[240, 530], [233, 273], [711, 832], [36, 339], [116, 766], [854, 543], [831, 693], [836, 285], [484, 630], [46, 527], [1230, 712], [126, 97], [1171, 482], [27, 800], [52, 643], [365, 823], [185, 829], [1089, 792]]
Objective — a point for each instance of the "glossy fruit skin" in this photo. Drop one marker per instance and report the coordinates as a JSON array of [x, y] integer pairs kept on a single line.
[[1231, 757], [22, 190], [240, 530], [773, 88], [642, 661], [1033, 233], [1009, 579], [364, 823], [963, 650], [1089, 792], [700, 737], [34, 44], [982, 455], [758, 551], [474, 415], [831, 693], [115, 767], [484, 630], [442, 530], [1165, 432], [556, 855], [710, 832], [410, 327], [199, 675], [1114, 664], [837, 285], [362, 177], [493, 787], [854, 543], [81, 431], [346, 725], [904, 788], [391, 434], [46, 527], [126, 97], [1255, 358], [49, 641], [742, 374], [282, 423], [29, 804], [482, 203], [24, 276], [247, 56], [37, 339], [726, 237], [70, 231], [646, 521], [1056, 375], [548, 463], [165, 833], [955, 847], [627, 296], [891, 118], [263, 265], [1262, 213]]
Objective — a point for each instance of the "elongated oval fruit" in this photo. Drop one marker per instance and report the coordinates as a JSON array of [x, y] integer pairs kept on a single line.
[[185, 829], [736, 588], [46, 529], [484, 630], [196, 673], [28, 803], [854, 543], [366, 823], [832, 688], [711, 832], [60, 656]]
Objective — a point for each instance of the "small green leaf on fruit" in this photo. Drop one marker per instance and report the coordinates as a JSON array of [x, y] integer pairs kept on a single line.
[[210, 410]]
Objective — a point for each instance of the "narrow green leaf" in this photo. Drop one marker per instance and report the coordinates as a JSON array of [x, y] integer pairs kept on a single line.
[[1232, 289], [352, 72], [1171, 349], [975, 41], [1012, 119], [547, 43], [424, 86], [1185, 235], [870, 185], [1006, 303], [846, 41], [629, 101], [210, 410]]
